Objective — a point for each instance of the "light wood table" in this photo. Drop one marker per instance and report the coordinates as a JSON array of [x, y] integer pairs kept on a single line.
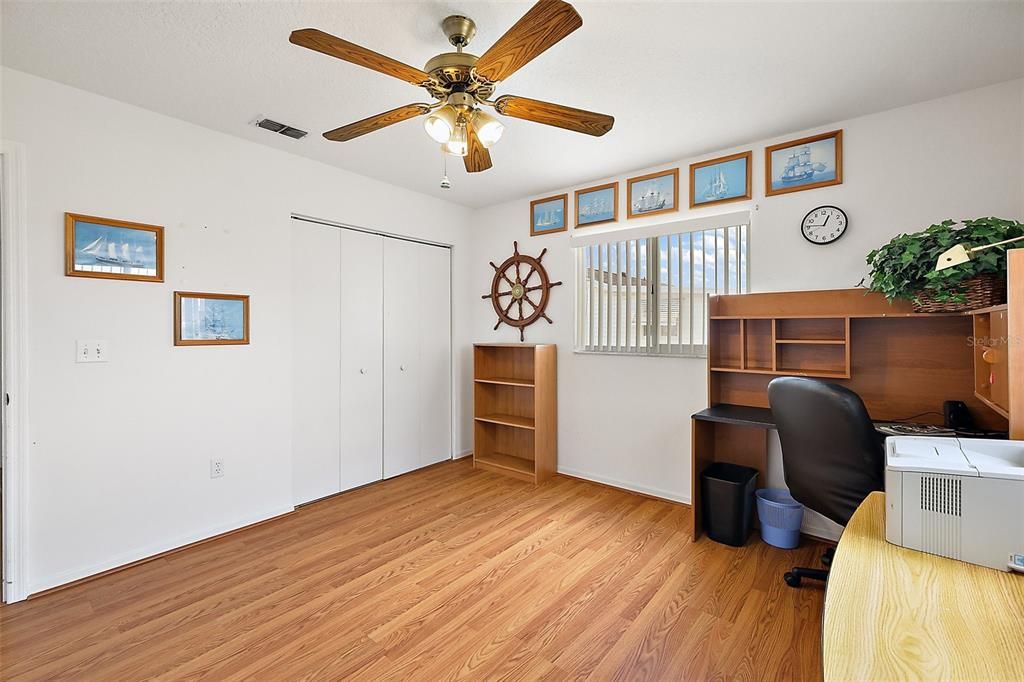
[[897, 614]]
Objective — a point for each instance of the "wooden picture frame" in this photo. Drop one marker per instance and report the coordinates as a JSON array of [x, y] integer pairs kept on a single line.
[[837, 173], [109, 247], [614, 186], [631, 212], [180, 340], [748, 156], [534, 231]]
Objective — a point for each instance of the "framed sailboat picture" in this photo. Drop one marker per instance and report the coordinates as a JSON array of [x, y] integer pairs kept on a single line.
[[721, 180], [652, 194], [112, 249], [807, 163], [210, 319], [596, 205], [548, 215]]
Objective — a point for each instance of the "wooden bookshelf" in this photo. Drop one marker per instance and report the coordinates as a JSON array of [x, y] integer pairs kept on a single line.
[[515, 410]]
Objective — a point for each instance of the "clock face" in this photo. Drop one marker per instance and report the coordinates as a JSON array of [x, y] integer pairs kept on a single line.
[[824, 225]]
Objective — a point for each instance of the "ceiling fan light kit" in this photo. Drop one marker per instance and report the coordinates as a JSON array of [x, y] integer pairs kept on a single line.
[[462, 84], [440, 124], [488, 128], [457, 144]]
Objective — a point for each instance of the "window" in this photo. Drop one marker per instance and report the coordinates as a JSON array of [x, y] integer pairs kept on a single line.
[[648, 296]]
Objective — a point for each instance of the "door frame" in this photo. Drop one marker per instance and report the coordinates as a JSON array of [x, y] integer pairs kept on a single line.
[[14, 372]]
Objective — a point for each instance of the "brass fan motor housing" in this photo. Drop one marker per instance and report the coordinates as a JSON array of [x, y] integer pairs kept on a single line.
[[453, 72]]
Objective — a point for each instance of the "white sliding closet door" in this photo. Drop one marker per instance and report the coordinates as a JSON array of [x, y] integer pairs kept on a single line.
[[371, 358], [362, 348], [401, 356], [316, 296], [435, 379], [417, 356]]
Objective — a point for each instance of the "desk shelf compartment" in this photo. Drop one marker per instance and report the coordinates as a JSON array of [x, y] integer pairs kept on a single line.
[[813, 347], [726, 346], [991, 358]]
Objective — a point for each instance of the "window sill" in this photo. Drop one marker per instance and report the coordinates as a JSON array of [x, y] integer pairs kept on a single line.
[[640, 354]]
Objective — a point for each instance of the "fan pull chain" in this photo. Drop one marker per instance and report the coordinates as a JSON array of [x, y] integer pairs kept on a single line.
[[445, 182]]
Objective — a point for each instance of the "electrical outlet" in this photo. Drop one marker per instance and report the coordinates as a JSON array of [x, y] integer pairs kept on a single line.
[[216, 468], [91, 350]]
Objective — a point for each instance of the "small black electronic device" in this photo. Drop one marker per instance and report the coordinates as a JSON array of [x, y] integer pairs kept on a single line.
[[956, 416]]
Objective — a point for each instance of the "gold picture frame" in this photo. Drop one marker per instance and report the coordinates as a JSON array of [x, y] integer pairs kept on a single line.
[[209, 336], [614, 186], [105, 248], [559, 216], [632, 212], [772, 188], [748, 156]]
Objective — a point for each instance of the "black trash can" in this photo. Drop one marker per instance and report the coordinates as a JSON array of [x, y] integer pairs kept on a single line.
[[727, 502]]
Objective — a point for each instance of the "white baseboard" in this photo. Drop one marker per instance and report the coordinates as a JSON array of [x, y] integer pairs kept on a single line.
[[626, 485], [461, 455], [49, 582]]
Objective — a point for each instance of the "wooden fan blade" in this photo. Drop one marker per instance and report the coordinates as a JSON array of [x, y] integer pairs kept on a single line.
[[545, 24], [478, 158], [350, 52], [557, 115], [368, 125]]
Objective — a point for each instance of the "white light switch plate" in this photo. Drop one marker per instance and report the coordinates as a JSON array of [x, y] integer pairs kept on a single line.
[[91, 350]]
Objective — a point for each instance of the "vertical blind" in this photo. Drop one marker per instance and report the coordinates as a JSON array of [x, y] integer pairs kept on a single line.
[[648, 296]]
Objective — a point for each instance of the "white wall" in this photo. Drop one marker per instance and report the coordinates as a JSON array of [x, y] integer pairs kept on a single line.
[[119, 461], [118, 465], [625, 421]]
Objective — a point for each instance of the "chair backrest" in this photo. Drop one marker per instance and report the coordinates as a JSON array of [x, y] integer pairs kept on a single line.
[[831, 453]]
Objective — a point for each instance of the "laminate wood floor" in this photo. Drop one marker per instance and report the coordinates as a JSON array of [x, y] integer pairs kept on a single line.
[[441, 574]]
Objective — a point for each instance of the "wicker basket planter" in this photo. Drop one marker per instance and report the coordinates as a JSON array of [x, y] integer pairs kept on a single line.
[[978, 292]]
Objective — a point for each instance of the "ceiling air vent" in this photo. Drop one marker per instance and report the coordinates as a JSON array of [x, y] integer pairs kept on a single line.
[[282, 129]]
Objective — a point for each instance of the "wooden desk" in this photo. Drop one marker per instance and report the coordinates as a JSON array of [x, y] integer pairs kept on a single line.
[[897, 614], [902, 364]]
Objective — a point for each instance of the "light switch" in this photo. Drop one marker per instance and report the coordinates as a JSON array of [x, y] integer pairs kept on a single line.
[[91, 350]]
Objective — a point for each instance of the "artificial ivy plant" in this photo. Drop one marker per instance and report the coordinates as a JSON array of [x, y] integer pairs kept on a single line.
[[905, 267]]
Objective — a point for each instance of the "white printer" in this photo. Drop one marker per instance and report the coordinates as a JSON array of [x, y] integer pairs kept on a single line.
[[961, 498]]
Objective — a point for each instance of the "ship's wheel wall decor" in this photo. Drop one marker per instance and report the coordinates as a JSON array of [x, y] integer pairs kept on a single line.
[[512, 294]]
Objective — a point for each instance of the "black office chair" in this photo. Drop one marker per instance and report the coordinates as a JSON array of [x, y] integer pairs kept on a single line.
[[831, 454]]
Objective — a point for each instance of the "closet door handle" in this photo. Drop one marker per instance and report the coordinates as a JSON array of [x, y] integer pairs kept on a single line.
[[401, 367], [362, 370]]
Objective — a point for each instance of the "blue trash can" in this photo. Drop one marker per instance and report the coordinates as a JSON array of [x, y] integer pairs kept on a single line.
[[780, 516]]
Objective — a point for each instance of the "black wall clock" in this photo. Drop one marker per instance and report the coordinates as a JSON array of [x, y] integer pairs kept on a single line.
[[824, 225]]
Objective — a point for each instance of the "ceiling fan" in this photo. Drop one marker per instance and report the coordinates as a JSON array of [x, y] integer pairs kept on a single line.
[[461, 83]]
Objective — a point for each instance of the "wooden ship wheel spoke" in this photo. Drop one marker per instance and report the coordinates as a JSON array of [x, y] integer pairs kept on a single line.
[[510, 273]]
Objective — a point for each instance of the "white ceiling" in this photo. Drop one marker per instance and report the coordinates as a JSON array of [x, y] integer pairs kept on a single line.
[[681, 79]]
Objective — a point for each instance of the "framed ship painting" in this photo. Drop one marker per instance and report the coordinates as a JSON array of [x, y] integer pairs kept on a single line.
[[721, 180], [596, 205], [547, 216], [652, 194], [112, 249], [807, 163], [210, 319]]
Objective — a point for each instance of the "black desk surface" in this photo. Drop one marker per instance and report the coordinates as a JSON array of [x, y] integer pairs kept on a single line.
[[741, 415], [761, 418]]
